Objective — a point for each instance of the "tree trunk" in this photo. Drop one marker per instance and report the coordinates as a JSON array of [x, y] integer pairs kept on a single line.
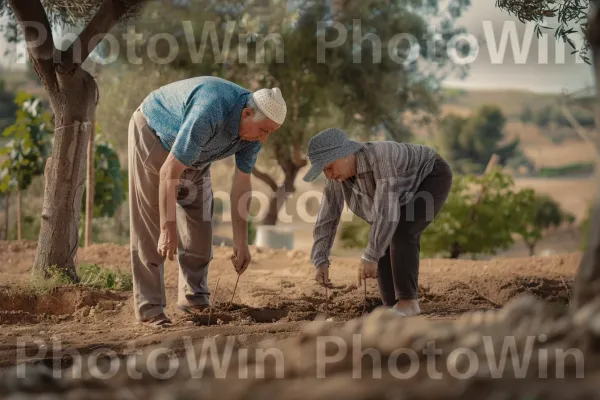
[[6, 213], [89, 203], [74, 110], [118, 222], [19, 217], [279, 197], [455, 251]]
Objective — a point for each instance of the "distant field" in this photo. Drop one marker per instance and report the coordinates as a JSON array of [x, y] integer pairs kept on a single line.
[[512, 102]]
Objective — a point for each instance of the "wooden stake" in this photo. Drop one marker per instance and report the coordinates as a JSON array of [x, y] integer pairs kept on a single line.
[[234, 288], [326, 300], [215, 300]]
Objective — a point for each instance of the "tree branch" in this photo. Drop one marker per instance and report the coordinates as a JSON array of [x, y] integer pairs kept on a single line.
[[105, 18], [266, 178], [32, 18]]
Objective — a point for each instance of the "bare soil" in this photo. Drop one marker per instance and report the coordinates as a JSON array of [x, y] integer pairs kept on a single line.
[[273, 298]]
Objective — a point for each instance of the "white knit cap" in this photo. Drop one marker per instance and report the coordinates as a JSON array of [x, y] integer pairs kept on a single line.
[[271, 103]]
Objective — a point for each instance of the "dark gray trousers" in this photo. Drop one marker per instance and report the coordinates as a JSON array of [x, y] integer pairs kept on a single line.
[[398, 269]]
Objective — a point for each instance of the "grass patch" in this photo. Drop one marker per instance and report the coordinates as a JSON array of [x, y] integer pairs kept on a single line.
[[95, 276], [90, 276], [565, 170]]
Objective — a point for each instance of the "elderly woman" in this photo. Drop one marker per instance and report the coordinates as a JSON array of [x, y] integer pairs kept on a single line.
[[398, 188]]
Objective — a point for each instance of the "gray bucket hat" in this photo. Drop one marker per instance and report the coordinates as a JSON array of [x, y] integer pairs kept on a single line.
[[327, 146]]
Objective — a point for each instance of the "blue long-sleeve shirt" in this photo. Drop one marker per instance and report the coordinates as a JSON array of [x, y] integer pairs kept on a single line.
[[198, 121]]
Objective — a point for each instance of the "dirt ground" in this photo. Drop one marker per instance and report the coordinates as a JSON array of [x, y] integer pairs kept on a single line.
[[273, 299]]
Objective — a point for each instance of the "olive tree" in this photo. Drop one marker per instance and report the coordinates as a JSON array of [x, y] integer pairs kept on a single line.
[[73, 95]]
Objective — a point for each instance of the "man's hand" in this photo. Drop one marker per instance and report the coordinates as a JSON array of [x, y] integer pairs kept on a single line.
[[366, 270], [241, 258], [322, 276], [167, 242]]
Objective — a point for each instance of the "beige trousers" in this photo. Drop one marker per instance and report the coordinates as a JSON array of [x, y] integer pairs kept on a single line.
[[194, 225]]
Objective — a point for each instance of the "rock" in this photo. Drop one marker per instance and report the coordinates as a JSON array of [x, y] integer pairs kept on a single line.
[[82, 312], [105, 305]]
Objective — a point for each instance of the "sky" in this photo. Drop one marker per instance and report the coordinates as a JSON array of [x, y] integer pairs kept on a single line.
[[490, 69]]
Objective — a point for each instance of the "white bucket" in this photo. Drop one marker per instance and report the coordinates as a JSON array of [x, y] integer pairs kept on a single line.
[[274, 237]]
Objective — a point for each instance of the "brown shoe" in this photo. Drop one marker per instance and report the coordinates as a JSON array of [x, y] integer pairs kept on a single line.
[[159, 321]]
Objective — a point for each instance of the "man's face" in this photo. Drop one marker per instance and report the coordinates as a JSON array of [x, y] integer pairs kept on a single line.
[[253, 130], [340, 169]]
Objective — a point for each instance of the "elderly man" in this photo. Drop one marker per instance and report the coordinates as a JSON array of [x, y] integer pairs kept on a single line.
[[174, 135], [382, 183]]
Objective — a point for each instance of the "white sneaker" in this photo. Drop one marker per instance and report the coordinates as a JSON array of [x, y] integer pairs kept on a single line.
[[408, 311]]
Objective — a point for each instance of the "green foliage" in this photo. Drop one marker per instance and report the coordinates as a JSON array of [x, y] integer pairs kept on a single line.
[[28, 146], [538, 213], [567, 12], [464, 226], [110, 184], [95, 276], [468, 143], [565, 170], [355, 233]]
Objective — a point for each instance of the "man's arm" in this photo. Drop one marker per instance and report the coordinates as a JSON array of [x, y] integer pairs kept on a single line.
[[328, 219], [240, 196], [170, 172], [240, 203]]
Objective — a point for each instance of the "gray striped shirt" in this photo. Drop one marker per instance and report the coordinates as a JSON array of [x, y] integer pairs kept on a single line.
[[388, 176]]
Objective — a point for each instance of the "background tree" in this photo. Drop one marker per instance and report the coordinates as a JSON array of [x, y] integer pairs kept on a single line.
[[538, 216], [73, 96], [526, 114], [468, 226], [27, 149], [543, 117], [469, 142]]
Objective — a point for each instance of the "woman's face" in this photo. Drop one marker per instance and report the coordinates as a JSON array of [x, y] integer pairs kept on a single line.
[[340, 169]]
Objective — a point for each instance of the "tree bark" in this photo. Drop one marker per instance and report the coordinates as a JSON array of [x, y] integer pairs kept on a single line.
[[89, 203], [19, 217], [278, 200], [587, 279]]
